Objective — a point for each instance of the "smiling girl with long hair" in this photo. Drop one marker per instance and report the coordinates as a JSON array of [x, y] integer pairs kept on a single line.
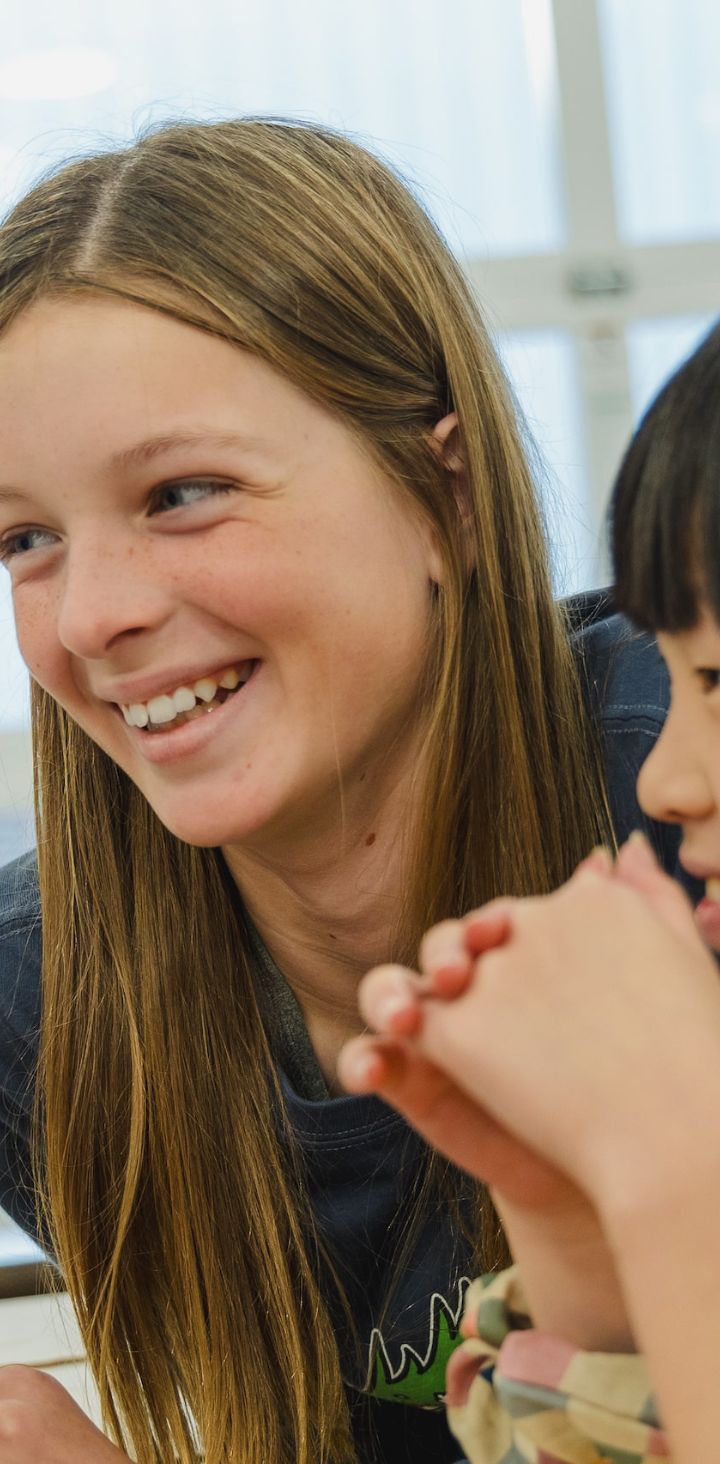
[[299, 687]]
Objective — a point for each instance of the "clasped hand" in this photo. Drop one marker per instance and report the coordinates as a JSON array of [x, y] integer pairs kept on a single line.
[[41, 1424], [522, 1051]]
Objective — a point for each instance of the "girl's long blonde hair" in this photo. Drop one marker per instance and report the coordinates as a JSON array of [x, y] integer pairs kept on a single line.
[[176, 1210]]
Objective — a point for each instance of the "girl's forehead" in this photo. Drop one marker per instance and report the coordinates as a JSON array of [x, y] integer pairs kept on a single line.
[[696, 642], [77, 359], [65, 321]]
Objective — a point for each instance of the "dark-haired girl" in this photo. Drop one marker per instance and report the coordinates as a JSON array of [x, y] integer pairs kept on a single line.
[[578, 1071]]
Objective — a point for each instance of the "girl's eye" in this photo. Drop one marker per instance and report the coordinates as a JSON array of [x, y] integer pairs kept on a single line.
[[191, 490], [709, 677], [22, 541]]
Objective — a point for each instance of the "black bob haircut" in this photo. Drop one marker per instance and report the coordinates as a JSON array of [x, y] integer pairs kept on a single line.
[[665, 509]]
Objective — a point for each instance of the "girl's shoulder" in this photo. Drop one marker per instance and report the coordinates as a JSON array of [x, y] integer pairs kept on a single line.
[[20, 963], [19, 891], [20, 950]]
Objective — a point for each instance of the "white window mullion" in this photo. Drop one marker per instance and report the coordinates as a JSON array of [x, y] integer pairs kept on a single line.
[[583, 133], [596, 274]]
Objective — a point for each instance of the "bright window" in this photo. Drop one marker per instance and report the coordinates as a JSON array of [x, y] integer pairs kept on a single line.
[[463, 95], [543, 370], [654, 349], [663, 86]]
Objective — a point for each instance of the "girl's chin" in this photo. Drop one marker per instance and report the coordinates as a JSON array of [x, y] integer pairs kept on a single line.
[[210, 836], [217, 828]]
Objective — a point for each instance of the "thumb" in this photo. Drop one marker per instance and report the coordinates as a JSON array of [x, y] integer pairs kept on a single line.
[[637, 867]]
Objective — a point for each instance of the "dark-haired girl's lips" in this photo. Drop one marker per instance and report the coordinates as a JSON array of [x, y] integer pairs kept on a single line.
[[707, 914]]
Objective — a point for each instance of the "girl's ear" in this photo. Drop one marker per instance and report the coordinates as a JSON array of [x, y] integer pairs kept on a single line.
[[445, 438], [445, 442]]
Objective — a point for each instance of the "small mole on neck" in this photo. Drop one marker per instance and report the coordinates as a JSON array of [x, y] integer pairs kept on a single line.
[[370, 839]]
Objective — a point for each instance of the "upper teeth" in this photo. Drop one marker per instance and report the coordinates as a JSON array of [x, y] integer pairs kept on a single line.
[[712, 888], [165, 708]]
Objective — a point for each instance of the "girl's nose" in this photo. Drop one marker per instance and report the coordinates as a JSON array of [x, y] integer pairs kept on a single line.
[[673, 784], [108, 592]]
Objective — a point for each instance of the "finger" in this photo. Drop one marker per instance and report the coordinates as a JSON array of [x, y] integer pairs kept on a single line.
[[448, 951], [366, 1064], [599, 860], [637, 867], [445, 963], [389, 999], [446, 1117], [639, 853], [488, 927]]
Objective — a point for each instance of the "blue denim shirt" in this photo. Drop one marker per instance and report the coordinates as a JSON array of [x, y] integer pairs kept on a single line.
[[362, 1158]]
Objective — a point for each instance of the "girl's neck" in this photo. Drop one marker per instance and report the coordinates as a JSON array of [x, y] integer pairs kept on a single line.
[[325, 919]]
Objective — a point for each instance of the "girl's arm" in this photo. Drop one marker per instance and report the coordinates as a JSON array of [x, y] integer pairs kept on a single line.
[[666, 1241]]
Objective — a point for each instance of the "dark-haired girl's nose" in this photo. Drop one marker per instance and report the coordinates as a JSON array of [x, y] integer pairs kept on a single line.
[[674, 784]]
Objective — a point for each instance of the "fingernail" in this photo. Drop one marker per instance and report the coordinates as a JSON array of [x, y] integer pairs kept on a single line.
[[599, 858], [641, 843]]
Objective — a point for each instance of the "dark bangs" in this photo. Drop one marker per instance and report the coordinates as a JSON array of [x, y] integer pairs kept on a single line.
[[665, 509]]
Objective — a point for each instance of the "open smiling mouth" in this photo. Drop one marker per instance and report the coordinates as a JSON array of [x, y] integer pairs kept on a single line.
[[187, 703]]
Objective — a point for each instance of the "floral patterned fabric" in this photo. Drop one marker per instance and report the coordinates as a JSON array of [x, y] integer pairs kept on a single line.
[[519, 1396]]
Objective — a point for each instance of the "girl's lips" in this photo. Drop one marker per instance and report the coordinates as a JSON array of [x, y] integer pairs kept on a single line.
[[190, 737], [707, 917]]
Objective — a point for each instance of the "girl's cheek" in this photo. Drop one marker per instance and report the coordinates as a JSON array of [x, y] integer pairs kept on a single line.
[[39, 648], [30, 647]]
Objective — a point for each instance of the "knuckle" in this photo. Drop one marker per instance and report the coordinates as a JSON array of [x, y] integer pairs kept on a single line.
[[385, 979], [26, 1384], [14, 1422], [383, 984], [440, 941], [24, 1394], [587, 887], [18, 1380]]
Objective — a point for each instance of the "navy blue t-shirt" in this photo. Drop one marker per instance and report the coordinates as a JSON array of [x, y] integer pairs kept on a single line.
[[362, 1159]]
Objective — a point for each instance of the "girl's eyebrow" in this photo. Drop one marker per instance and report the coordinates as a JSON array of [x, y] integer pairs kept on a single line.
[[164, 442]]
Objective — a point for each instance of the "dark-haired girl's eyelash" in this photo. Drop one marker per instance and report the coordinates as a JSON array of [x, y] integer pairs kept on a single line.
[[709, 676], [213, 485]]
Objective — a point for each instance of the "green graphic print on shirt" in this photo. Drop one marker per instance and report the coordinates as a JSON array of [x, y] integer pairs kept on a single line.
[[417, 1378]]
